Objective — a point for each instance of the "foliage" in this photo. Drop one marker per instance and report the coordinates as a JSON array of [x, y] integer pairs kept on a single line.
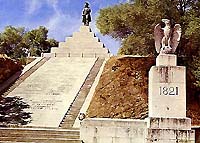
[[134, 23], [12, 43], [130, 22], [196, 71], [12, 111], [18, 43]]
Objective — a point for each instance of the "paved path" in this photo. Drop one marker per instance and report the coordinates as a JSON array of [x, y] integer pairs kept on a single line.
[[52, 88]]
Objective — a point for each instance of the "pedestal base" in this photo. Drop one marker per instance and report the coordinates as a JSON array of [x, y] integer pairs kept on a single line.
[[166, 60], [169, 130], [167, 88]]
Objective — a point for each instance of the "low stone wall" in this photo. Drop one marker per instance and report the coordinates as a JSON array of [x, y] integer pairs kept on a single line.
[[102, 130]]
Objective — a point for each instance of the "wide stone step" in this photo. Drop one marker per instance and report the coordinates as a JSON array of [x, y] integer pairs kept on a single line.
[[39, 135], [77, 49], [39, 131], [39, 140], [83, 34], [89, 55], [82, 45], [82, 39]]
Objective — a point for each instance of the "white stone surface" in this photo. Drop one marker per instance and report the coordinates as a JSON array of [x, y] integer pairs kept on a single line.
[[102, 130], [167, 90], [169, 123], [30, 65], [166, 60], [51, 89], [81, 44], [170, 136]]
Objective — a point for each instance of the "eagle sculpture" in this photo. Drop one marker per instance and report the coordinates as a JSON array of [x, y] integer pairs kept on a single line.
[[167, 37]]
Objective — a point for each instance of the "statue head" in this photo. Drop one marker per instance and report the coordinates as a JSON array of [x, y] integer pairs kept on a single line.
[[86, 5]]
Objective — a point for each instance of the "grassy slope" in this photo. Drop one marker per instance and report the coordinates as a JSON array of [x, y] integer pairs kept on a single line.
[[122, 91]]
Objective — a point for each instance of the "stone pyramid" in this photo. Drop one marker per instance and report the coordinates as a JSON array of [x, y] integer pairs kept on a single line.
[[82, 44]]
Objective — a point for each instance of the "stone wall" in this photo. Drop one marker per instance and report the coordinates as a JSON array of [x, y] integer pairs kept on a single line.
[[102, 130]]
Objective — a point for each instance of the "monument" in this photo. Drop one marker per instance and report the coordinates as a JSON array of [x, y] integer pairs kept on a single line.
[[167, 121], [86, 14], [83, 43]]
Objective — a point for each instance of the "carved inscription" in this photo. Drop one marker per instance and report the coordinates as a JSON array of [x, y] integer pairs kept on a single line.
[[169, 91]]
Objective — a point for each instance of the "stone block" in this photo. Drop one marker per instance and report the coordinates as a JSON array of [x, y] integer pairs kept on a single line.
[[85, 29], [170, 136], [166, 60], [167, 74], [167, 91], [126, 130], [169, 123]]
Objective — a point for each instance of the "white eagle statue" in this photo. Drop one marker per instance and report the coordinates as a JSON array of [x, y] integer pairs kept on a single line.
[[167, 38]]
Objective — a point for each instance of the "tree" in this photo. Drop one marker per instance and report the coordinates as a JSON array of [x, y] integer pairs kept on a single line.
[[36, 39], [134, 23], [130, 22], [17, 42], [12, 42], [52, 43]]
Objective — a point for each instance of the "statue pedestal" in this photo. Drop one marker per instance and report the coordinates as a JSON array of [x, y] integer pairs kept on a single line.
[[167, 122], [167, 88]]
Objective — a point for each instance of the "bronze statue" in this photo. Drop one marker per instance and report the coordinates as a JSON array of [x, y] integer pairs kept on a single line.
[[167, 37], [86, 14]]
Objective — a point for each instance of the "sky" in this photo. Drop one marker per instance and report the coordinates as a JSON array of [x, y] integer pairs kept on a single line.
[[61, 17]]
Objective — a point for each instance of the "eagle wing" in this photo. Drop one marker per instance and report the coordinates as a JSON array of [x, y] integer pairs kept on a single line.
[[176, 35], [158, 35]]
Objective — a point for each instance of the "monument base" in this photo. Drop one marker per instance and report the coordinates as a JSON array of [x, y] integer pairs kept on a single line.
[[167, 88], [157, 130], [169, 130], [166, 60]]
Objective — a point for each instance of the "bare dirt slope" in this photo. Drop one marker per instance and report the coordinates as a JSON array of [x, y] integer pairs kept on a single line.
[[122, 91], [8, 67]]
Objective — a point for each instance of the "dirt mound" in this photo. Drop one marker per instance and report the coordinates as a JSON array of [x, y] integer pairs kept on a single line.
[[122, 91], [8, 67], [119, 93]]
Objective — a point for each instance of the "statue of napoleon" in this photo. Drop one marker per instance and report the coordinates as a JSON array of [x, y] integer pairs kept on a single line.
[[167, 37], [86, 14]]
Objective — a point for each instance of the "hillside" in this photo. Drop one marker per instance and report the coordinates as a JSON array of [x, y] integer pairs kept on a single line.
[[8, 67], [122, 91]]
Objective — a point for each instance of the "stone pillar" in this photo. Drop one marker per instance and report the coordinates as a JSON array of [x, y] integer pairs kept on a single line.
[[167, 88], [167, 122]]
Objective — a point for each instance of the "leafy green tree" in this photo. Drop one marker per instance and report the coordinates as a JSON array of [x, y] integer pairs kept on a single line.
[[17, 42], [36, 39], [52, 43], [131, 22], [11, 42]]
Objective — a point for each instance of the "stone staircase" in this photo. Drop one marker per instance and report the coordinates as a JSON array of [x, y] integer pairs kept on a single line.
[[76, 105], [39, 135], [82, 44], [11, 86]]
